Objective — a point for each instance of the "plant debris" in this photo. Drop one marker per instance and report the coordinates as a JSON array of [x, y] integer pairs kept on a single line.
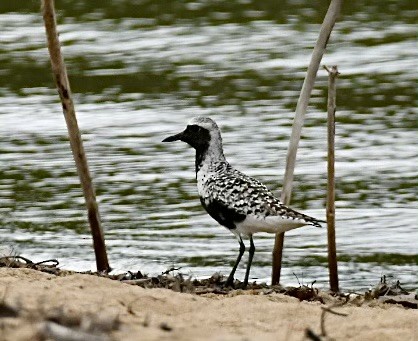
[[392, 292], [174, 280], [49, 265]]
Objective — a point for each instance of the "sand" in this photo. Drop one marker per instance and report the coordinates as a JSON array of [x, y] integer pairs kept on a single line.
[[128, 312]]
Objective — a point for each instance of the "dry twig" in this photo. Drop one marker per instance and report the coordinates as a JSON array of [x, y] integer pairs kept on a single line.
[[329, 310], [59, 71], [301, 107], [332, 247]]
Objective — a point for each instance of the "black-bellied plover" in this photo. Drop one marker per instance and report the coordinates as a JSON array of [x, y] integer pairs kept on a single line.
[[240, 203]]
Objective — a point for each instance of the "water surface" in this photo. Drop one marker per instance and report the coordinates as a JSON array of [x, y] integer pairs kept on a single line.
[[140, 72]]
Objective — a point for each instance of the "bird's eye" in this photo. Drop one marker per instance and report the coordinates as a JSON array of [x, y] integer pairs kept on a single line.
[[194, 128]]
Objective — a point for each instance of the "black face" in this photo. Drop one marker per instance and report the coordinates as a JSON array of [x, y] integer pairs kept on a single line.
[[196, 136]]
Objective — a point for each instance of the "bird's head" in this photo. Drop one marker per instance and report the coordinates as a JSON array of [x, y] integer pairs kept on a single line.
[[201, 133]]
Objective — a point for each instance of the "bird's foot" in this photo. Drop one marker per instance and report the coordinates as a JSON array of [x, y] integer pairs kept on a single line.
[[229, 283], [241, 285]]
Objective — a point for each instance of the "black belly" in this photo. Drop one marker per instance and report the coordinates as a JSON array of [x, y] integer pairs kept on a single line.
[[224, 215]]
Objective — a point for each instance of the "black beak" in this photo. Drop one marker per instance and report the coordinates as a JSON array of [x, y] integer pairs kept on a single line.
[[176, 137]]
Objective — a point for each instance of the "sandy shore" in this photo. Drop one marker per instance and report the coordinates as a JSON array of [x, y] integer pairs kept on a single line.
[[126, 312]]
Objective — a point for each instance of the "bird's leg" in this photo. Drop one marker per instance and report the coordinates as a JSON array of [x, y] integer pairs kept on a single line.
[[230, 280], [250, 260]]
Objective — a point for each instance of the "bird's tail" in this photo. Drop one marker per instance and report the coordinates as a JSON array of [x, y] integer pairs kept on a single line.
[[309, 220], [316, 222], [312, 221]]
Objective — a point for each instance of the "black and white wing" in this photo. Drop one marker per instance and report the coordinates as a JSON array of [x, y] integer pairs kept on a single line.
[[231, 196]]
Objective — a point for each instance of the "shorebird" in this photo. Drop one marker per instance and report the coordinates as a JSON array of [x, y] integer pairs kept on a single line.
[[238, 202]]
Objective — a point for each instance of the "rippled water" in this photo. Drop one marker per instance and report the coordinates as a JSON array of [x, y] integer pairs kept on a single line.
[[140, 72]]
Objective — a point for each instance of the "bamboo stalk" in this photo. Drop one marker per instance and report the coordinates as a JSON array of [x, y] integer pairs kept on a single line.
[[61, 80], [305, 94], [332, 248]]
